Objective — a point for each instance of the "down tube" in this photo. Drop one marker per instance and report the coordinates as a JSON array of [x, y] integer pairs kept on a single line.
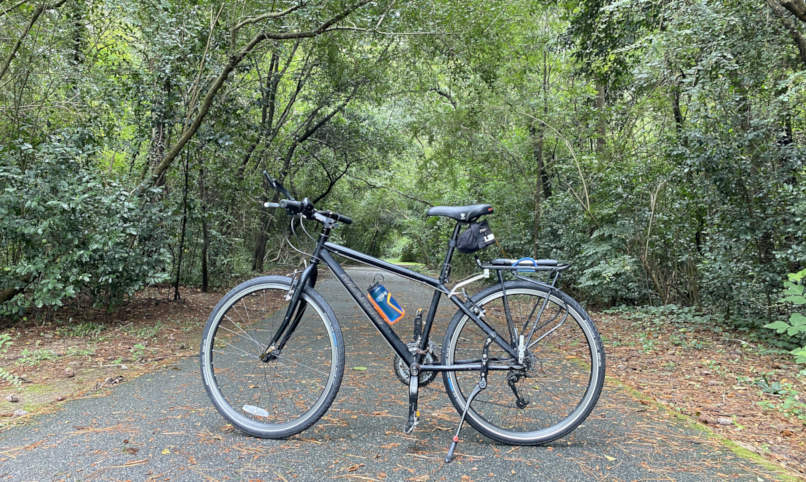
[[391, 337]]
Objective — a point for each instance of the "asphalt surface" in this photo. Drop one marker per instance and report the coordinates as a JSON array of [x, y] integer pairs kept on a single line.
[[163, 426]]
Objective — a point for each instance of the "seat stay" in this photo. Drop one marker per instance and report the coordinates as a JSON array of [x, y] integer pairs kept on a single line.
[[487, 329]]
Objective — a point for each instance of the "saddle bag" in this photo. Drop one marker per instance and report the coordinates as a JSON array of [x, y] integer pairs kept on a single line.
[[477, 236]]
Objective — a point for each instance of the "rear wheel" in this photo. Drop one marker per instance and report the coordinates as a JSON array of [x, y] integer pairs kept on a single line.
[[289, 393], [564, 365]]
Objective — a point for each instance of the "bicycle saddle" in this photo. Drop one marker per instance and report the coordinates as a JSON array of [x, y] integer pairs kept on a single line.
[[463, 214]]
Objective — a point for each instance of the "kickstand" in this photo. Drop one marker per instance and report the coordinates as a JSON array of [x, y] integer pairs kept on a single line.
[[481, 385], [414, 385]]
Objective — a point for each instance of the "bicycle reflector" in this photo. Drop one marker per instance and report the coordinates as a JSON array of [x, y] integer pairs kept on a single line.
[[386, 306]]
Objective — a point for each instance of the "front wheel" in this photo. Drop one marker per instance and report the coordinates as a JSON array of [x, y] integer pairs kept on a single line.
[[564, 364], [290, 392]]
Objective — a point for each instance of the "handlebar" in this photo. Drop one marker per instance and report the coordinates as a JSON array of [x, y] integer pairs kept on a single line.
[[338, 217], [304, 207]]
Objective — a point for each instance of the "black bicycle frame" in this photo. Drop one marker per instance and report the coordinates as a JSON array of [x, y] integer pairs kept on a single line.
[[323, 251]]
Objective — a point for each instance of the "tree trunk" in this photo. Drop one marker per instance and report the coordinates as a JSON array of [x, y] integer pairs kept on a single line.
[[601, 120], [181, 248], [7, 294], [262, 238], [159, 130], [542, 183], [205, 233], [303, 133], [538, 134], [677, 111]]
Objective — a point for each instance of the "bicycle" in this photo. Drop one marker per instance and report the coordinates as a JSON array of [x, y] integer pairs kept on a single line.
[[521, 361]]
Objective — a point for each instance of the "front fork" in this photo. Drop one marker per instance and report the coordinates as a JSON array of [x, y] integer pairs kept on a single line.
[[293, 315]]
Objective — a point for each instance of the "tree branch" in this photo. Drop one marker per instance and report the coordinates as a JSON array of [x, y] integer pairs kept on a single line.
[[39, 11], [267, 16], [778, 7], [332, 183], [234, 60], [380, 186], [12, 7], [444, 93], [797, 7], [382, 32], [195, 88]]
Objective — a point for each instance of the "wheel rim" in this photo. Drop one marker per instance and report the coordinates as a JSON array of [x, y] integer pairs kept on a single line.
[[279, 396], [561, 386]]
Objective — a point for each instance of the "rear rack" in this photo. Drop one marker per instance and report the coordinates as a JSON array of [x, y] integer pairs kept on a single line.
[[525, 265], [520, 267]]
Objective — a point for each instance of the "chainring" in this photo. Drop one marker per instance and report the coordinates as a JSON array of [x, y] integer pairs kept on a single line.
[[402, 370]]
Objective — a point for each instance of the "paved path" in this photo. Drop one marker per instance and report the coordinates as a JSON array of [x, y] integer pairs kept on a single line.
[[163, 426]]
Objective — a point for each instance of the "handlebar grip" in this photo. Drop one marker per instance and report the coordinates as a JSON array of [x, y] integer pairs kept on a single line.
[[289, 204], [271, 205], [339, 217]]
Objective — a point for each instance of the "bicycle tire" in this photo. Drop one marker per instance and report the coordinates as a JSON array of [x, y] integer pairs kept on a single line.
[[282, 397], [567, 366]]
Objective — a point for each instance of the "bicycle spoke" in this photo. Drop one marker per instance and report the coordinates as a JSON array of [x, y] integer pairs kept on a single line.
[[230, 345], [531, 344], [550, 385], [249, 337], [286, 358], [281, 396], [482, 400]]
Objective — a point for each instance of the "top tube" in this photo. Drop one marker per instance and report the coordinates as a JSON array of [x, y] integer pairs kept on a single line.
[[372, 261]]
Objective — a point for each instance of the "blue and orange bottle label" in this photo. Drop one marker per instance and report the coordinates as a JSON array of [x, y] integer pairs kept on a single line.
[[386, 306]]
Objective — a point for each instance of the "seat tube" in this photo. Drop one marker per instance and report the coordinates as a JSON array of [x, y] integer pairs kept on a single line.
[[443, 278], [446, 265]]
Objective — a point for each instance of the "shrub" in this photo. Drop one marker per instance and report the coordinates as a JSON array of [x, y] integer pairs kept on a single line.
[[795, 328], [64, 231]]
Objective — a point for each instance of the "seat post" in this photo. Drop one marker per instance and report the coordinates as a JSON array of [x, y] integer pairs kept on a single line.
[[446, 265]]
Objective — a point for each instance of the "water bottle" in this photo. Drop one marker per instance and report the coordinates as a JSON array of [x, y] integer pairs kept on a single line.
[[386, 306]]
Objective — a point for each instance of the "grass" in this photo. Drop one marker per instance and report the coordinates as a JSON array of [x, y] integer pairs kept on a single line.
[[5, 342], [145, 332], [85, 329], [77, 351], [33, 358], [138, 351]]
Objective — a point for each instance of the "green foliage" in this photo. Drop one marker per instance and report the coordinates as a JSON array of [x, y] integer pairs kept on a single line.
[[10, 377], [5, 342], [146, 332], [85, 329], [786, 397], [657, 146], [35, 357], [138, 351], [795, 328], [78, 351], [66, 231]]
